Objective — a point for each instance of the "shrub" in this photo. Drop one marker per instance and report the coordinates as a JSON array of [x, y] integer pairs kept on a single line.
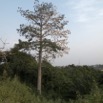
[[12, 91]]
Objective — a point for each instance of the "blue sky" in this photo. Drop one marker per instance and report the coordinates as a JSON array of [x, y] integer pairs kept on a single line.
[[85, 23]]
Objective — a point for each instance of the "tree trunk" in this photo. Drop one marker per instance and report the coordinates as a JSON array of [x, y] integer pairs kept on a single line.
[[39, 73], [39, 82]]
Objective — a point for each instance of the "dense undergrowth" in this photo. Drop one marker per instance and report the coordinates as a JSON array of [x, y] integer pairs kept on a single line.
[[67, 84], [12, 91]]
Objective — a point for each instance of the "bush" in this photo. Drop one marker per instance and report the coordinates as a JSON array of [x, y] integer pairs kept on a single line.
[[12, 91], [15, 92], [67, 82], [96, 96]]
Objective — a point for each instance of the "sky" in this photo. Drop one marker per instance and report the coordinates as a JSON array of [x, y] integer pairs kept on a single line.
[[85, 23]]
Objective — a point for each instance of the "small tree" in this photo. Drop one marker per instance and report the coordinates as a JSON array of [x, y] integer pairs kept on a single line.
[[45, 33], [3, 58]]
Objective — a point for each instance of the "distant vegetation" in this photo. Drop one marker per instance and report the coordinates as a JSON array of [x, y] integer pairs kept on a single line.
[[70, 84], [98, 67]]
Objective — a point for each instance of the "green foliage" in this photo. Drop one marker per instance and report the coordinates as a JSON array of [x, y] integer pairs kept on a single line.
[[67, 82], [12, 91], [24, 66], [58, 83], [96, 96]]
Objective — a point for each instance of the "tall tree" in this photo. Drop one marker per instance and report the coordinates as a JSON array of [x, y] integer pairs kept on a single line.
[[44, 33]]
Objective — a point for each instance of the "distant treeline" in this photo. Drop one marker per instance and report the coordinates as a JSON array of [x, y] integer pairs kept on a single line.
[[98, 66]]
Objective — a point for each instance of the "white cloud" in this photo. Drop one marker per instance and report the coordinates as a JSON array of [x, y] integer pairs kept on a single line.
[[82, 18], [86, 10], [100, 13], [84, 4]]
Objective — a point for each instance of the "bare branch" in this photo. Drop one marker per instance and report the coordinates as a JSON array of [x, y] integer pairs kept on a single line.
[[4, 43]]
